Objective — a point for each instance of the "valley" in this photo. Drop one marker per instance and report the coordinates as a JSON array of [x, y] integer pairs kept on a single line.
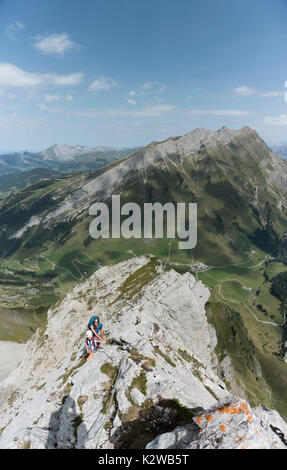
[[240, 187]]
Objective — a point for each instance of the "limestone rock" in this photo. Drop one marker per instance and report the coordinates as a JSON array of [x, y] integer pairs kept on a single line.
[[230, 424], [137, 396], [159, 342]]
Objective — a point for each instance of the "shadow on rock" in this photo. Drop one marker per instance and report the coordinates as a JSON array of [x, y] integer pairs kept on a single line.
[[63, 426], [140, 425]]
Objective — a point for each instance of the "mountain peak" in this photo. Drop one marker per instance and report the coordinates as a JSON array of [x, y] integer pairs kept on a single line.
[[64, 152]]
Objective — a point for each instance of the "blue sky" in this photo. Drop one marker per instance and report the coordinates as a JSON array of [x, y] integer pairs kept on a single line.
[[126, 72]]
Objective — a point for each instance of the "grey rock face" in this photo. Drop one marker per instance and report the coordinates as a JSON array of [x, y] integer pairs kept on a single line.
[[159, 361], [55, 399], [137, 396], [230, 424]]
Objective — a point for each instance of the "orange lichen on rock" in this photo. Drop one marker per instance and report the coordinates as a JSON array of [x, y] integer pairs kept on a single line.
[[198, 420], [237, 409], [239, 439], [223, 428]]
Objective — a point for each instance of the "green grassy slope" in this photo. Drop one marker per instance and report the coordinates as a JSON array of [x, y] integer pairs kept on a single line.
[[241, 225]]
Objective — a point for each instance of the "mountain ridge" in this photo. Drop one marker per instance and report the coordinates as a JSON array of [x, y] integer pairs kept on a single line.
[[159, 370], [61, 157], [239, 186]]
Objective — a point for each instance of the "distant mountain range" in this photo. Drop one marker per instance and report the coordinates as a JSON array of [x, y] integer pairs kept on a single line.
[[280, 149], [24, 168], [240, 187], [65, 153], [239, 183], [63, 158]]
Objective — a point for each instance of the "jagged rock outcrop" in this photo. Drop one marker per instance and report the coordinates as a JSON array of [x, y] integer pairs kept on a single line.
[[159, 362], [231, 424], [158, 370]]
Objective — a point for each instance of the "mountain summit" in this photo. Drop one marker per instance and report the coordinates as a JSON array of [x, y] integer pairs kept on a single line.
[[65, 152], [232, 175]]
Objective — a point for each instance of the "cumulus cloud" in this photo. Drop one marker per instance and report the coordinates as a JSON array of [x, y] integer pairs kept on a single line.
[[13, 29], [54, 44], [12, 76], [132, 101], [103, 84], [244, 91]]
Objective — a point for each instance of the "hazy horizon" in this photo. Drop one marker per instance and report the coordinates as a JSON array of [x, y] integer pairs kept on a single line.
[[126, 73]]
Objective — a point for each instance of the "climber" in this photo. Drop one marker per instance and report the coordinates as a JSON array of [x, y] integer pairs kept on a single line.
[[92, 345], [97, 329]]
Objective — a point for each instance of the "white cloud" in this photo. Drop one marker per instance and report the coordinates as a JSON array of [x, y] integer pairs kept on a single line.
[[247, 91], [13, 29], [64, 80], [219, 112], [50, 110], [152, 88], [132, 93], [147, 85], [12, 121], [244, 91], [276, 121], [11, 96], [132, 101], [270, 94], [149, 111], [54, 44], [12, 76], [51, 98], [103, 84]]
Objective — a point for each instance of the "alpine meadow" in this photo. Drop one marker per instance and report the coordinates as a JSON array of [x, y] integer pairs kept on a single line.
[[143, 262]]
